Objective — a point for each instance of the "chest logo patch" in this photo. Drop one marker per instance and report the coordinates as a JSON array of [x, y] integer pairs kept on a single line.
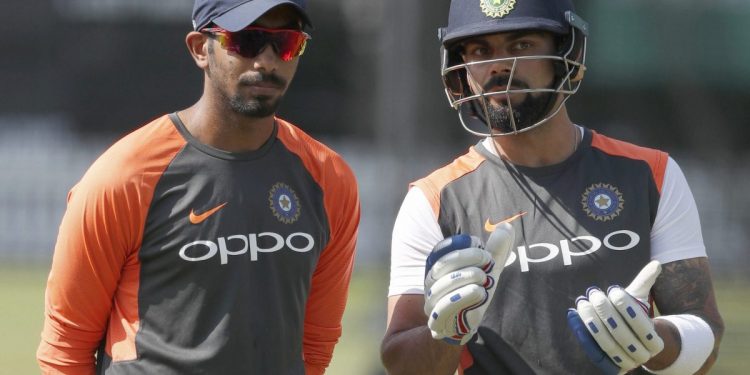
[[284, 203], [602, 202]]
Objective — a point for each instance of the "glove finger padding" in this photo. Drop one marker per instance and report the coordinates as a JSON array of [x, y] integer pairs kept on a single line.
[[636, 316], [602, 335], [456, 293], [456, 260], [619, 321], [590, 346], [618, 328], [434, 271], [450, 282], [632, 303], [449, 319]]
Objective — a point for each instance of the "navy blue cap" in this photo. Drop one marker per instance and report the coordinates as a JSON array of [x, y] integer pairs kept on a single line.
[[235, 15], [476, 17]]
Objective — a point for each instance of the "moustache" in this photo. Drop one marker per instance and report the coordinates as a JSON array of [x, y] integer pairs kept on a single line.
[[265, 78], [497, 81]]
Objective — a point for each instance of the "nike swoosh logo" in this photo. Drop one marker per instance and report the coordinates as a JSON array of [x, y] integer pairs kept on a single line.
[[199, 218], [491, 227]]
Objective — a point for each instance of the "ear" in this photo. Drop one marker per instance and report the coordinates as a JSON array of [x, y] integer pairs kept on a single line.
[[579, 73], [197, 44], [580, 70]]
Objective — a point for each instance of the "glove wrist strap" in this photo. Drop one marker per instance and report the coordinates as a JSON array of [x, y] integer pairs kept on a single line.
[[697, 344]]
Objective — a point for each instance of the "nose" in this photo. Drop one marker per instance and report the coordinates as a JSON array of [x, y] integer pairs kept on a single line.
[[267, 60], [502, 65]]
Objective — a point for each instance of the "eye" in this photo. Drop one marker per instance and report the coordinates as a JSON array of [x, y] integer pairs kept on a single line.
[[480, 51], [476, 51], [522, 45]]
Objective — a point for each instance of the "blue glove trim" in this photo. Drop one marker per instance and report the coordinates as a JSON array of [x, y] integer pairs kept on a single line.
[[453, 243], [451, 341], [589, 345]]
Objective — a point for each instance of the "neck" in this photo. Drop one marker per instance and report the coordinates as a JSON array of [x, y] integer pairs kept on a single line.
[[548, 144], [220, 127]]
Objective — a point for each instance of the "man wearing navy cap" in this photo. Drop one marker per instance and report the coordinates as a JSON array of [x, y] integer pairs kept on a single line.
[[217, 239], [545, 247]]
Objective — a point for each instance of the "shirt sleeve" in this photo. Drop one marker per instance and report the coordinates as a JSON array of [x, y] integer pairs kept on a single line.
[[330, 281], [91, 251], [95, 268], [415, 233], [676, 233]]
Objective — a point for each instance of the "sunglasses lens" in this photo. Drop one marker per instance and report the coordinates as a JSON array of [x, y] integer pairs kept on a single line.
[[250, 42], [246, 43], [289, 44]]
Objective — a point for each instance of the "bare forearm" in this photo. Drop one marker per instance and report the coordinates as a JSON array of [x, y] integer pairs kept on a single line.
[[686, 288], [415, 352]]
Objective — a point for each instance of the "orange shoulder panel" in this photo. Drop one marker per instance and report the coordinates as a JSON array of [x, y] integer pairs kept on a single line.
[[656, 160], [466, 361], [433, 184], [330, 281], [93, 283]]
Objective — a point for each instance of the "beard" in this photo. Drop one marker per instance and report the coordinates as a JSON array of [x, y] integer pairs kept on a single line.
[[532, 109], [255, 107], [525, 114]]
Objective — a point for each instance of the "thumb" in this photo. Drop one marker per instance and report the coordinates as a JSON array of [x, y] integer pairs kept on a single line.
[[641, 285], [499, 244]]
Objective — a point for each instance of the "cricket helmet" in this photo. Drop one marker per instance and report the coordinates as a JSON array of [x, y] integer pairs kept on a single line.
[[471, 18]]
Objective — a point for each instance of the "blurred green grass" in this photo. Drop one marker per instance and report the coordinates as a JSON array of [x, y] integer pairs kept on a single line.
[[21, 315]]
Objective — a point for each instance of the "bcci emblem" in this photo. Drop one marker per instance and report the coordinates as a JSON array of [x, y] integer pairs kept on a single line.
[[602, 202], [284, 203], [497, 8]]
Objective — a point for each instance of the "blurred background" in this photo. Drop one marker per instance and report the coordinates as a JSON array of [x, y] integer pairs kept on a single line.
[[76, 75]]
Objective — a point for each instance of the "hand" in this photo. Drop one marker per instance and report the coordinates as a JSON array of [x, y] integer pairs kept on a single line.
[[628, 338], [460, 280]]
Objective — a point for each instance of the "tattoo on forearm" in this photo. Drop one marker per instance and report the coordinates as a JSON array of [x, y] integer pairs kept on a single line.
[[685, 286]]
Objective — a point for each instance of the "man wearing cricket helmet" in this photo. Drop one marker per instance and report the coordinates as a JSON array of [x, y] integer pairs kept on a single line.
[[545, 248]]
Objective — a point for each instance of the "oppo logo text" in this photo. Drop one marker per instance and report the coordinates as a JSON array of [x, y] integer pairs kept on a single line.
[[628, 239], [235, 245]]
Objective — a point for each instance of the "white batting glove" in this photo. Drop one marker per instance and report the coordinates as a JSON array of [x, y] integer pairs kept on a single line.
[[460, 280], [619, 334]]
